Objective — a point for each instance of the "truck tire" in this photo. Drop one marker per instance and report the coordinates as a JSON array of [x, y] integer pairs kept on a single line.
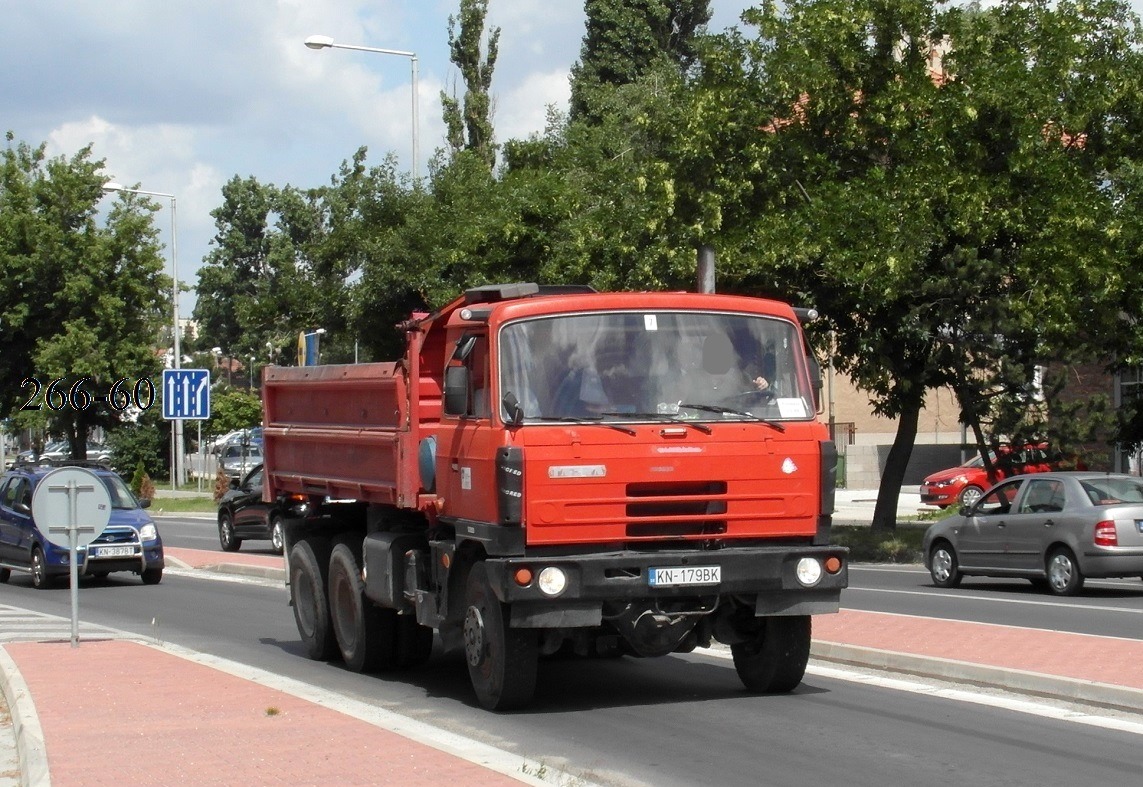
[[414, 642], [775, 660], [309, 562], [366, 634], [502, 661]]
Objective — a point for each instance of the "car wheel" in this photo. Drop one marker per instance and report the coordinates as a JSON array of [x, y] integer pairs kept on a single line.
[[944, 566], [39, 570], [970, 494], [277, 536], [226, 538], [4, 574], [1064, 575], [152, 576]]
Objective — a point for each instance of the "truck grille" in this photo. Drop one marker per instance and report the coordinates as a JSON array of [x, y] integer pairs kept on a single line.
[[689, 508]]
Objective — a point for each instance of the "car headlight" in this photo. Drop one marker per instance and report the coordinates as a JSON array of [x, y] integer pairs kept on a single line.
[[148, 532]]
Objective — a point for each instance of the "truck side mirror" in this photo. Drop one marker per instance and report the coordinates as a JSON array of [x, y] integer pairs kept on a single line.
[[456, 390], [815, 379]]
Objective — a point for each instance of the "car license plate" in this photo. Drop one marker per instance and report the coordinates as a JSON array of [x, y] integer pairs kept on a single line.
[[115, 551], [681, 576]]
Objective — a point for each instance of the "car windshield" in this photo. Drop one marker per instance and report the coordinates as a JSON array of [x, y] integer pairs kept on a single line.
[[655, 366], [121, 496]]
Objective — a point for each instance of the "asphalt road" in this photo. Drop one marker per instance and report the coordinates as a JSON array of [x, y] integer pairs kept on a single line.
[[1111, 607], [679, 720]]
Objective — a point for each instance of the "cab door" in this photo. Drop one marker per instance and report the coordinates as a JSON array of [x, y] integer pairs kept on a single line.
[[468, 441]]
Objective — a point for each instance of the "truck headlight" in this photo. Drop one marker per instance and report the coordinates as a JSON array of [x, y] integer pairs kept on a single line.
[[809, 571], [552, 581]]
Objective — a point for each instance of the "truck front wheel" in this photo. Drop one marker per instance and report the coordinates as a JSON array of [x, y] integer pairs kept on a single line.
[[502, 661], [774, 661], [366, 634], [309, 559]]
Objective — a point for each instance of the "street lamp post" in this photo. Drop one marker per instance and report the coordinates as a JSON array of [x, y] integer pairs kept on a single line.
[[325, 42], [177, 475]]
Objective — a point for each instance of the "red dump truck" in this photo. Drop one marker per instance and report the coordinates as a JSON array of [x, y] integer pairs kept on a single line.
[[551, 468]]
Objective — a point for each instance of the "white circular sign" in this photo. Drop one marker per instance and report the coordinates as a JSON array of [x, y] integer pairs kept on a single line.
[[67, 496]]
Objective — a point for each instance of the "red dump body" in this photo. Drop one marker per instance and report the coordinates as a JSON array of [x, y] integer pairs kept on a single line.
[[360, 432]]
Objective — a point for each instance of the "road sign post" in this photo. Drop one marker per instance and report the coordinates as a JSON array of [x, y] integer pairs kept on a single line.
[[72, 507], [186, 397]]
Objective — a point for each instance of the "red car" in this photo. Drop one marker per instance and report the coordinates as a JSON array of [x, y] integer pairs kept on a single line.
[[964, 484]]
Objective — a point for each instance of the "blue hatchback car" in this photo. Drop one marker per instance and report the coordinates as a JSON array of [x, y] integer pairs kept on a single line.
[[130, 542]]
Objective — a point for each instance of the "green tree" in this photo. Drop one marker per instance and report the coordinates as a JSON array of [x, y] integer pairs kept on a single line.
[[275, 271], [231, 410], [82, 303], [627, 39], [936, 181], [470, 128]]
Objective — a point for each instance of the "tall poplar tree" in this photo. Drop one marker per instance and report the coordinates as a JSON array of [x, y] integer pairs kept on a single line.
[[469, 126]]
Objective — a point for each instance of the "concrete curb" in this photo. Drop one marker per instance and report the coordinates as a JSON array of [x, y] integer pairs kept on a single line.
[[30, 749], [1120, 698]]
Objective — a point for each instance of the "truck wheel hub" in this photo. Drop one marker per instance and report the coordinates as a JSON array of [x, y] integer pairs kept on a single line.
[[474, 636]]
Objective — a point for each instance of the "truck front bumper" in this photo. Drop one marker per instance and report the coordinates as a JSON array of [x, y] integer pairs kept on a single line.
[[767, 577]]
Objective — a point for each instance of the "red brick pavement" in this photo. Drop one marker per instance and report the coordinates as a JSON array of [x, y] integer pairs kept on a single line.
[[121, 712]]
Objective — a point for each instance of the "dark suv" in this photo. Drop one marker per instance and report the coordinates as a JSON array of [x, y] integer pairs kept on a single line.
[[242, 515], [130, 542]]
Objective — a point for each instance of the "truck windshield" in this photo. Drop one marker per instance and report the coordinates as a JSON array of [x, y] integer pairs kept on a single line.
[[639, 366]]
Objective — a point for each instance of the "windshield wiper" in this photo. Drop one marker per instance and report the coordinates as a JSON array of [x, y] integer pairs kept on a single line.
[[597, 420], [673, 419], [713, 408]]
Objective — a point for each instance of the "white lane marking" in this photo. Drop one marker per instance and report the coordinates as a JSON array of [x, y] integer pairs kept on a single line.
[[993, 700], [969, 597], [1061, 711]]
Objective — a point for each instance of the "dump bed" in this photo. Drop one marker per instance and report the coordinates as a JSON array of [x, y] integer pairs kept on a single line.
[[340, 431]]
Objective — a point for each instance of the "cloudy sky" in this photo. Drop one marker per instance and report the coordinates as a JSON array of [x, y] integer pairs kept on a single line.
[[179, 96]]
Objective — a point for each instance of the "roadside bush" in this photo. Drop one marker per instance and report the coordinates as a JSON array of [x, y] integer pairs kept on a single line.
[[865, 546]]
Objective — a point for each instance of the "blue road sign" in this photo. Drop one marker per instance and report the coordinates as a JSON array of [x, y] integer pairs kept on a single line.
[[186, 394]]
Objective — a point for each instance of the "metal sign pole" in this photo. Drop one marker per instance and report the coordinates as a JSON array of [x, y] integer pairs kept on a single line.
[[73, 529]]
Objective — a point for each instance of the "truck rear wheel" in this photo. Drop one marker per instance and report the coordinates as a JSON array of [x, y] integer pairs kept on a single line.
[[309, 562], [366, 634], [774, 661], [502, 661]]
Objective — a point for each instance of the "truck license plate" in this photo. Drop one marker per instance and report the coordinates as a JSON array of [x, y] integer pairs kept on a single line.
[[115, 552], [681, 576]]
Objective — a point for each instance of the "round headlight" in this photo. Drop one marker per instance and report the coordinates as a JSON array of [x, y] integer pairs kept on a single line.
[[552, 581], [809, 571]]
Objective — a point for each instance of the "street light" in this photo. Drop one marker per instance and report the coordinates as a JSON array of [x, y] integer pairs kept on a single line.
[[177, 475], [325, 42]]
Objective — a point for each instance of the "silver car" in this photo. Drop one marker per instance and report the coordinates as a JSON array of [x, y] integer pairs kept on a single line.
[[1055, 529]]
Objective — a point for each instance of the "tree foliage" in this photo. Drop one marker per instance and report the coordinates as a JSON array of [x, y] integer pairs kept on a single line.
[[626, 40], [470, 127], [937, 181], [83, 302]]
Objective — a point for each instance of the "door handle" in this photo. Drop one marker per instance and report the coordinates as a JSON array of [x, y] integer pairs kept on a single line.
[[1049, 523], [1001, 524]]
